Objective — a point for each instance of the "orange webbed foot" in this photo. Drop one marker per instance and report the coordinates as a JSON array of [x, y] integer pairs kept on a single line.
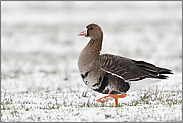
[[110, 97]]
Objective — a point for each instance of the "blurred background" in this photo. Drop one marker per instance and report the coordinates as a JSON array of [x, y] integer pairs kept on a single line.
[[40, 46]]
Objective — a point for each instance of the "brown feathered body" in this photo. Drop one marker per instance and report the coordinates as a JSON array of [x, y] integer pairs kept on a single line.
[[111, 74]]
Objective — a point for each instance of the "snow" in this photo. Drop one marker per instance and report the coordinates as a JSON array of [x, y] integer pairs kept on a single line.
[[40, 47]]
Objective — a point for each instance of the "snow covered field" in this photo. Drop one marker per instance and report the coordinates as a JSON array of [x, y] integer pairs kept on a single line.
[[40, 80]]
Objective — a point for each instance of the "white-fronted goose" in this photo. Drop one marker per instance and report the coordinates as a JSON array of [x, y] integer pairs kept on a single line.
[[110, 74]]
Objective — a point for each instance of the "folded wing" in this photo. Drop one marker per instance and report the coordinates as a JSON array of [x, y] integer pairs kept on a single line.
[[131, 70]]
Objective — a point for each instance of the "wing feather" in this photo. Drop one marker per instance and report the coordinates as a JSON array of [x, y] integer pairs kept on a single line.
[[128, 69]]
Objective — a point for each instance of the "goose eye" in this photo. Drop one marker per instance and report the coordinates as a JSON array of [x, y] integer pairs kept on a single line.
[[91, 28]]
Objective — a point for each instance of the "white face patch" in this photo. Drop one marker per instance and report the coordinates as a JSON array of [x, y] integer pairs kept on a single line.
[[86, 31]]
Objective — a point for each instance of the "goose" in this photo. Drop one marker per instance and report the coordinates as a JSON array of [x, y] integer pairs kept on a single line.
[[112, 74]]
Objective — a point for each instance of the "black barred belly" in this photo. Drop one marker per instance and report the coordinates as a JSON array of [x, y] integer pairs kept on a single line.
[[108, 80]]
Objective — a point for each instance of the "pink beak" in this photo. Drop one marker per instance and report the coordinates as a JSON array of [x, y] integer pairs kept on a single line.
[[83, 33]]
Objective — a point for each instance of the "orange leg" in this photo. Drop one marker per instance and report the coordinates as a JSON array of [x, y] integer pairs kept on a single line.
[[116, 101], [110, 97]]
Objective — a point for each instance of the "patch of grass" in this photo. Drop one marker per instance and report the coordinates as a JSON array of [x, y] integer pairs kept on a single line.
[[27, 109], [107, 116], [15, 113], [39, 118], [72, 102]]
